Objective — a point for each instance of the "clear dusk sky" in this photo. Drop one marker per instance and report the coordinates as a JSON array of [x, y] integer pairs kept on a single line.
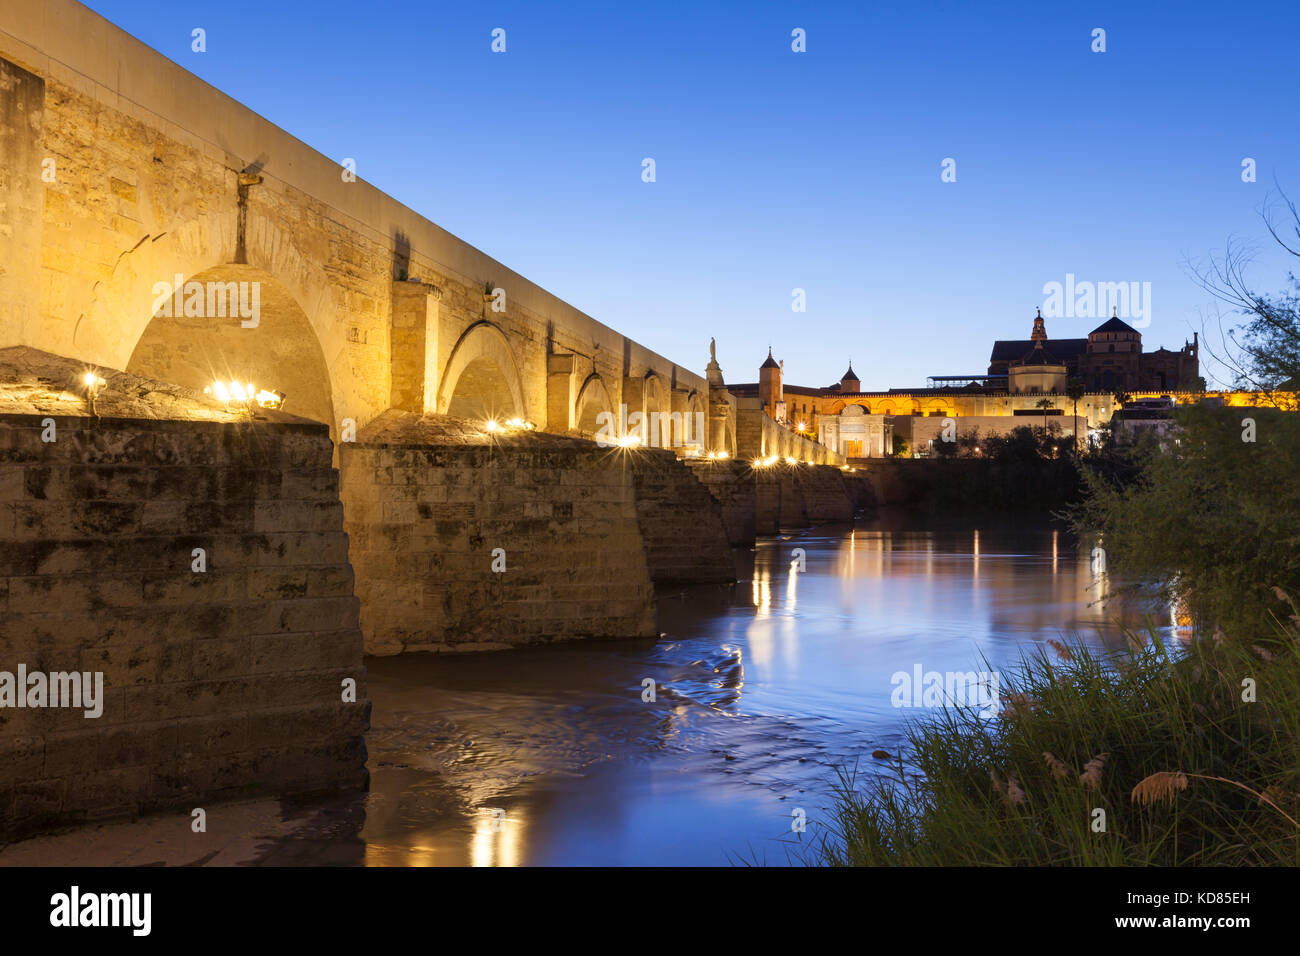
[[778, 170]]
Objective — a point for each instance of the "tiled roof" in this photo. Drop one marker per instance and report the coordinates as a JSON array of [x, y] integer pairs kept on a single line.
[[1114, 324], [1012, 350]]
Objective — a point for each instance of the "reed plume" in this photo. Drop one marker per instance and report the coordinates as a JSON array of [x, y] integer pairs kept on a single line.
[[1091, 776], [1163, 784], [1159, 786], [1065, 653], [1059, 770]]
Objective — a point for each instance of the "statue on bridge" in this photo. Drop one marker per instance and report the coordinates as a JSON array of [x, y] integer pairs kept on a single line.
[[713, 372]]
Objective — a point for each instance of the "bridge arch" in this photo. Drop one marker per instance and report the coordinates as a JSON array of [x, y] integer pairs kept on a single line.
[[482, 379], [593, 398], [655, 399], [209, 338], [697, 423]]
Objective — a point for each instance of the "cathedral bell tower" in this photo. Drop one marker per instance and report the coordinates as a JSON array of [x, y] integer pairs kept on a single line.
[[770, 392]]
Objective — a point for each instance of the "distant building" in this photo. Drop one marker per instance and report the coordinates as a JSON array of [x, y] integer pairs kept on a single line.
[[1110, 358], [854, 433], [1025, 384], [1145, 414]]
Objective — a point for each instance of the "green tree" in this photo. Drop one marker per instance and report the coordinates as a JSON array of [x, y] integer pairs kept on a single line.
[[1045, 404], [944, 448], [1075, 390], [1263, 352], [1214, 519]]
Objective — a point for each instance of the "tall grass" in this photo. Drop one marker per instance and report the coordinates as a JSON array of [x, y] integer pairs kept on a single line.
[[1185, 770]]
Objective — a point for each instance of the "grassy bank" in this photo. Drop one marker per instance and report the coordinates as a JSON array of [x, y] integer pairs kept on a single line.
[[1182, 768]]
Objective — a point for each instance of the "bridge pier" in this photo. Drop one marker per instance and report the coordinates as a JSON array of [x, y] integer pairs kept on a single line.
[[466, 541], [757, 501], [825, 493], [681, 523], [191, 564]]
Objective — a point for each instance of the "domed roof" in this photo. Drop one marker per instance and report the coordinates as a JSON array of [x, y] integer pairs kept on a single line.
[[1114, 324]]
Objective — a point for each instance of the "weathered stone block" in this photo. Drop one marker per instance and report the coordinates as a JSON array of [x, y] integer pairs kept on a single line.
[[96, 551]]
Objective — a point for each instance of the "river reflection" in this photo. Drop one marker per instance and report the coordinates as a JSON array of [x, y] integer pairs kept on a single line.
[[552, 756]]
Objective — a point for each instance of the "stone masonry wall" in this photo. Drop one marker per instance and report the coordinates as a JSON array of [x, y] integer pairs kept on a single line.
[[731, 483], [825, 495], [897, 482], [681, 523], [22, 111], [220, 683], [749, 498], [431, 498], [758, 436], [767, 502], [794, 511], [861, 492]]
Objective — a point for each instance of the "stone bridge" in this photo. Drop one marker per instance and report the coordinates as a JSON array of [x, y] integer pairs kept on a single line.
[[126, 175], [224, 569]]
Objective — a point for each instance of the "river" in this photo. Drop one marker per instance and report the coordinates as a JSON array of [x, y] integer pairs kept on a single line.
[[557, 756]]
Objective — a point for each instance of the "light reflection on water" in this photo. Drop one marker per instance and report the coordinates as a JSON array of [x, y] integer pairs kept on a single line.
[[550, 755]]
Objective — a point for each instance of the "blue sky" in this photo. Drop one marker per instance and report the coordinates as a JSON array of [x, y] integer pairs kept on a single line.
[[779, 170]]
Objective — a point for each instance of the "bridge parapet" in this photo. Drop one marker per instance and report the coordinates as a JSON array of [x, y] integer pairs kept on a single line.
[[759, 437]]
